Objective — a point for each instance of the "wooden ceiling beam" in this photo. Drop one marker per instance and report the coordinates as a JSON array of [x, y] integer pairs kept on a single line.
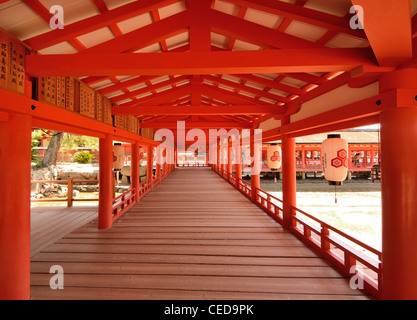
[[95, 22], [122, 85], [271, 84], [200, 63], [197, 125], [159, 85], [303, 14], [161, 97], [198, 110], [102, 7], [388, 28], [247, 31], [229, 96], [145, 36], [247, 89]]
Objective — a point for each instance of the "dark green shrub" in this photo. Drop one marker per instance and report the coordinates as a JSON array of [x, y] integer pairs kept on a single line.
[[83, 157]]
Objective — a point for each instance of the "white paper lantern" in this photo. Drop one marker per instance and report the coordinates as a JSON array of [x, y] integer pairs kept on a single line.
[[334, 152], [118, 156], [141, 155], [274, 156]]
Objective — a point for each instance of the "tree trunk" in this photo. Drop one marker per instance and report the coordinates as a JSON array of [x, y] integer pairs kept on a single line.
[[51, 155]]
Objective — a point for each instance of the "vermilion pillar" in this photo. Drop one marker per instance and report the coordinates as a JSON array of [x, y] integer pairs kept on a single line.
[[238, 159], [229, 160], [398, 191], [218, 166], [255, 178], [164, 158], [105, 213], [223, 153], [15, 173], [158, 164], [149, 164], [135, 169], [289, 178]]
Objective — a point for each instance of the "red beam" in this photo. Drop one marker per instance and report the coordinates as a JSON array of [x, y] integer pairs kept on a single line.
[[102, 7], [247, 89], [164, 96], [222, 62], [303, 14], [357, 110], [156, 86], [198, 110], [247, 31], [43, 112], [196, 125], [125, 84], [228, 96], [145, 36], [270, 83], [200, 36], [388, 28], [96, 22]]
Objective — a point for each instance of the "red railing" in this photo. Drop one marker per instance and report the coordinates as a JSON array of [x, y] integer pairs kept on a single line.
[[70, 193], [270, 204], [351, 256], [341, 249], [192, 165], [123, 203]]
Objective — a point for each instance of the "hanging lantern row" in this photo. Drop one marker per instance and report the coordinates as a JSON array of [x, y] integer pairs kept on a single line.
[[335, 159]]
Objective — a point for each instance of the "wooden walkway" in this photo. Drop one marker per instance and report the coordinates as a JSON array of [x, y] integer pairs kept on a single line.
[[49, 224], [192, 237]]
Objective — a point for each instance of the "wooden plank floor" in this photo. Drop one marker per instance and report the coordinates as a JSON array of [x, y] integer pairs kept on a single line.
[[49, 224], [193, 237]]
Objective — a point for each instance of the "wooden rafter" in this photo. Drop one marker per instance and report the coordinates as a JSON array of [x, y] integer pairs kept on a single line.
[[143, 37], [300, 13], [388, 28], [95, 22], [200, 63], [198, 110], [241, 29]]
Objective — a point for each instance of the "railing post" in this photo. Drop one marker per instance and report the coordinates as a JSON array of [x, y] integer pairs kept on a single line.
[[349, 261], [325, 245], [70, 193]]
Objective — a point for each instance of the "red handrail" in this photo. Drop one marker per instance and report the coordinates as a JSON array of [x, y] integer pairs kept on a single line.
[[123, 203], [325, 239], [328, 245]]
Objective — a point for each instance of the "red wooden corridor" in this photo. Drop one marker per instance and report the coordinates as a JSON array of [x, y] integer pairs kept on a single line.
[[192, 237], [119, 70]]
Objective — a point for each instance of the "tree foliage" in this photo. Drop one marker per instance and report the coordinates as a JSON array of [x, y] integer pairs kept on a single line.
[[57, 141]]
